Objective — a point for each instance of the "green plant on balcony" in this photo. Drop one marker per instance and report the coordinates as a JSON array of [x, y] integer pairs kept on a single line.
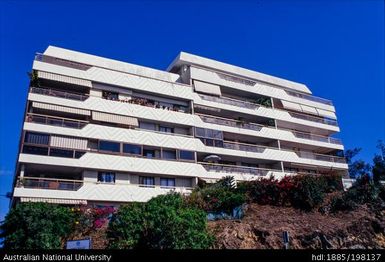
[[34, 79], [264, 101]]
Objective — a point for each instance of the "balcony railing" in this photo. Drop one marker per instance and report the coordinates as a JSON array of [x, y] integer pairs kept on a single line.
[[74, 185], [229, 101], [314, 137], [258, 127], [57, 93], [320, 157], [310, 97], [55, 121], [237, 169], [229, 122], [326, 121], [50, 183], [249, 105]]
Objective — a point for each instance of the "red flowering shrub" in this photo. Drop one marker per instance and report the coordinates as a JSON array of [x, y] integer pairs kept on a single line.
[[301, 191]]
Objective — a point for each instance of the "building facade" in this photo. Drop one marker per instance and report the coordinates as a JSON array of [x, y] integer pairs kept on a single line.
[[100, 131]]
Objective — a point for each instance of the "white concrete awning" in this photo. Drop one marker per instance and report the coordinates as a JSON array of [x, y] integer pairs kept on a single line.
[[68, 142], [64, 79], [54, 200], [291, 105], [65, 109], [309, 109], [207, 88], [326, 113], [117, 119]]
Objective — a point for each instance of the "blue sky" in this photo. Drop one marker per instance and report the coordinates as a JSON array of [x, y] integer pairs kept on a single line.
[[334, 47]]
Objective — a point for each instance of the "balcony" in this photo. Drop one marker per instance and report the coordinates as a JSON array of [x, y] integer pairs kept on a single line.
[[310, 97], [55, 121], [229, 101], [319, 138], [320, 157], [229, 122], [322, 120], [210, 167], [249, 105], [74, 185], [57, 93], [49, 183]]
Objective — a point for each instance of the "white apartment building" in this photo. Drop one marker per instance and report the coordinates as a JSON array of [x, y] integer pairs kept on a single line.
[[100, 131]]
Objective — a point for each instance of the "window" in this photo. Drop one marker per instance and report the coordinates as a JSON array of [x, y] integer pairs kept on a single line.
[[110, 95], [79, 154], [167, 182], [199, 132], [109, 146], [61, 153], [36, 138], [132, 149], [186, 155], [147, 126], [169, 154], [34, 150], [106, 177], [166, 129], [147, 181], [149, 153]]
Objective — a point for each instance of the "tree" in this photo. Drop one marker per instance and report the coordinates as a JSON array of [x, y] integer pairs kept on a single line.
[[36, 226], [164, 222], [359, 167], [379, 163]]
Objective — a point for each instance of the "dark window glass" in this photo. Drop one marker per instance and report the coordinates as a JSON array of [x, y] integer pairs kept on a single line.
[[106, 177], [147, 126], [109, 146], [186, 155], [61, 153], [200, 132], [209, 133], [36, 138], [35, 150], [149, 153], [169, 154], [166, 129], [167, 182], [218, 143], [147, 181], [209, 142], [132, 149], [217, 134], [79, 154]]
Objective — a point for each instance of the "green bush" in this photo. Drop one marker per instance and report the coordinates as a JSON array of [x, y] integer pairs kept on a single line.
[[363, 191], [218, 197], [164, 222], [309, 191], [37, 226]]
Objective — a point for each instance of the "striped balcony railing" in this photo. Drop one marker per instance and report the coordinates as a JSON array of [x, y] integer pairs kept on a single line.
[[55, 121], [229, 101], [229, 122], [211, 167], [74, 185], [58, 93], [49, 183]]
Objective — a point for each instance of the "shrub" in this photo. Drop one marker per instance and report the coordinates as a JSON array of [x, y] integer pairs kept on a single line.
[[163, 222], [218, 197], [301, 191], [37, 226], [309, 191], [364, 190]]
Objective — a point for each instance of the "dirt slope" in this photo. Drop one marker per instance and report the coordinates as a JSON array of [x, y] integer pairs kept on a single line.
[[262, 228]]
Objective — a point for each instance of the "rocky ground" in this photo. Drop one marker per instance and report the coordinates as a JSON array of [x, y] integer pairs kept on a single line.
[[263, 226]]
